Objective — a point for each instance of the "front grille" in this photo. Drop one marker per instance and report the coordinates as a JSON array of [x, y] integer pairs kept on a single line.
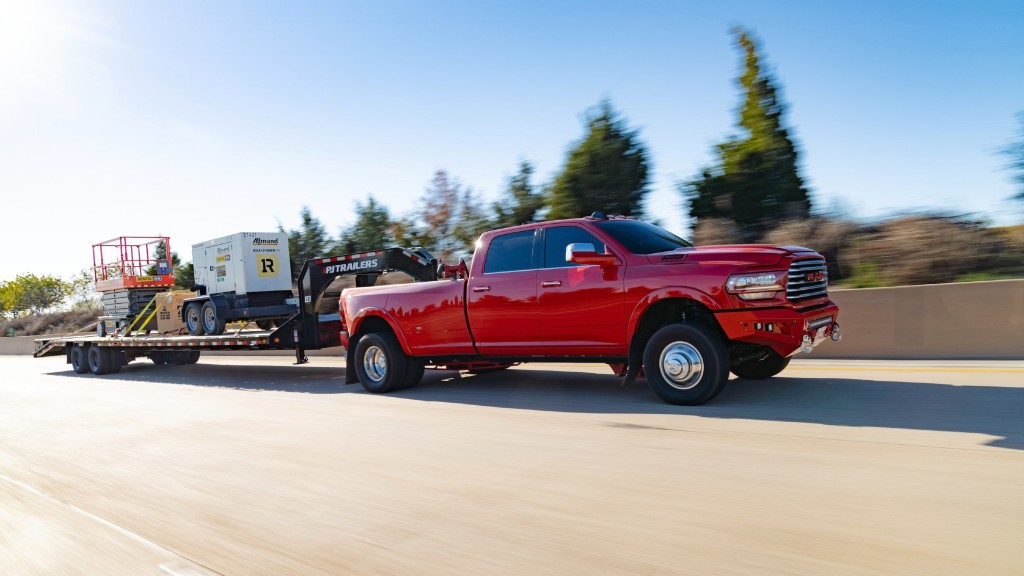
[[807, 279]]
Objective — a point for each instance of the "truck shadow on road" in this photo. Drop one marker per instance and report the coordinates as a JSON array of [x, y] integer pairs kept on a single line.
[[853, 402]]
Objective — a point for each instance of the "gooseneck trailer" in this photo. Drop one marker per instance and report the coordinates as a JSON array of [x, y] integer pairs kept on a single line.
[[306, 328]]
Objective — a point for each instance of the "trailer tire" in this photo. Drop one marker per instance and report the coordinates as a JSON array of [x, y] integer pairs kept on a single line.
[[194, 318], [268, 324], [761, 369], [77, 357], [381, 365], [686, 364], [100, 360], [184, 358], [116, 358], [213, 323]]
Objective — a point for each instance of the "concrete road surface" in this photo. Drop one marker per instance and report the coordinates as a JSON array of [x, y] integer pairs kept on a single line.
[[249, 465]]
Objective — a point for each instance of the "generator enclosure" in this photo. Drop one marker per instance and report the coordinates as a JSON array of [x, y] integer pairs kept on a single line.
[[243, 263]]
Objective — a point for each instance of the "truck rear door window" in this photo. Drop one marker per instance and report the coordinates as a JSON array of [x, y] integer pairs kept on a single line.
[[558, 238], [510, 252]]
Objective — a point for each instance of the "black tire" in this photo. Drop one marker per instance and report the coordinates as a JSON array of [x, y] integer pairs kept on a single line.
[[184, 357], [762, 368], [159, 358], [414, 373], [79, 363], [213, 323], [116, 360], [266, 324], [381, 365], [100, 360], [686, 364], [194, 319]]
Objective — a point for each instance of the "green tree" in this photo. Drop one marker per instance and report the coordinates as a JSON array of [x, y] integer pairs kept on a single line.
[[472, 222], [309, 240], [755, 181], [184, 276], [519, 203], [33, 294], [372, 230], [449, 219], [607, 170], [1015, 152]]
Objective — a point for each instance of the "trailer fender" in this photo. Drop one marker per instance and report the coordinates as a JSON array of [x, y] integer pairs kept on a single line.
[[364, 314]]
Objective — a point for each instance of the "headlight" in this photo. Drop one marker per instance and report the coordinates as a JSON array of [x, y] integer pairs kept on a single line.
[[759, 286]]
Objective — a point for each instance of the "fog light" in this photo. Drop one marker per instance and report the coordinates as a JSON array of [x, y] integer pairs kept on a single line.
[[836, 336], [807, 345]]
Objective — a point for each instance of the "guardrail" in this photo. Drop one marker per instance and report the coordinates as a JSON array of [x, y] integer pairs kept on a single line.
[[976, 320]]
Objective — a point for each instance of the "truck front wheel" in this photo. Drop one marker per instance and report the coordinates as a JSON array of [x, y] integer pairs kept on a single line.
[[381, 366], [759, 369], [685, 364]]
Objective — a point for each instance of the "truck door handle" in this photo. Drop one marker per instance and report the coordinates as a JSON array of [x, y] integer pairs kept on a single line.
[[481, 288], [551, 284]]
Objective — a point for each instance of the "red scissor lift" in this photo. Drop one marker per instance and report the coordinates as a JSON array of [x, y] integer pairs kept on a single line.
[[128, 273], [125, 262]]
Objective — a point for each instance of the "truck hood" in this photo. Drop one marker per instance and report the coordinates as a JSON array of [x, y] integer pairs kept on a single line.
[[736, 254]]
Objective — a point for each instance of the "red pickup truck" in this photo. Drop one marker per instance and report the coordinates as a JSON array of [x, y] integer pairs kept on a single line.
[[597, 289]]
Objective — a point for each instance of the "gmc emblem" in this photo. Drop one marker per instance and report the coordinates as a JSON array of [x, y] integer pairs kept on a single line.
[[815, 276]]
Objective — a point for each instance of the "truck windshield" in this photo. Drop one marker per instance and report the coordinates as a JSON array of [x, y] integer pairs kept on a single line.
[[642, 238]]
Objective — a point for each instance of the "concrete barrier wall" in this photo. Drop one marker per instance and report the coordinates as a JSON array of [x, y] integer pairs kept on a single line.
[[977, 320]]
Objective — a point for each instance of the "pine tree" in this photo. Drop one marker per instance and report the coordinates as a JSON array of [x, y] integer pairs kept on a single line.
[[755, 181], [520, 203], [308, 241], [1015, 152], [607, 170], [370, 231]]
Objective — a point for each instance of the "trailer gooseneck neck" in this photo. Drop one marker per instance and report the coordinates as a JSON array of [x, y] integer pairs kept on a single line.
[[303, 330]]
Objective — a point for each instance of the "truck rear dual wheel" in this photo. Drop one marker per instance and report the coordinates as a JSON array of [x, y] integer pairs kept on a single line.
[[770, 365], [382, 366], [686, 364]]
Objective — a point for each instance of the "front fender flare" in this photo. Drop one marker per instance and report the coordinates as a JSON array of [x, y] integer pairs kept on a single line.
[[665, 294]]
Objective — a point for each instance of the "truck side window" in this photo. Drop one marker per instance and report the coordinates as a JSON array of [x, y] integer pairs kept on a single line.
[[510, 252], [559, 237]]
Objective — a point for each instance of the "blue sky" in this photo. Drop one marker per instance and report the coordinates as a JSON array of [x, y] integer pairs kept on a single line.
[[201, 119]]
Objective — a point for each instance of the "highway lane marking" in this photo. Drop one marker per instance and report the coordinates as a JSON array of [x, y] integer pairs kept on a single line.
[[900, 369], [193, 568]]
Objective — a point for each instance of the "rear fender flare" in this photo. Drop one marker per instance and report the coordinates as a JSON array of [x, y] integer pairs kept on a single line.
[[362, 315]]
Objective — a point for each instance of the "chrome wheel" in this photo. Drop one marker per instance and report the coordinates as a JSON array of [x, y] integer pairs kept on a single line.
[[375, 363], [681, 365]]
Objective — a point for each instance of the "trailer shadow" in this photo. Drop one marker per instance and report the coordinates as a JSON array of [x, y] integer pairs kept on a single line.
[[851, 402], [307, 379]]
